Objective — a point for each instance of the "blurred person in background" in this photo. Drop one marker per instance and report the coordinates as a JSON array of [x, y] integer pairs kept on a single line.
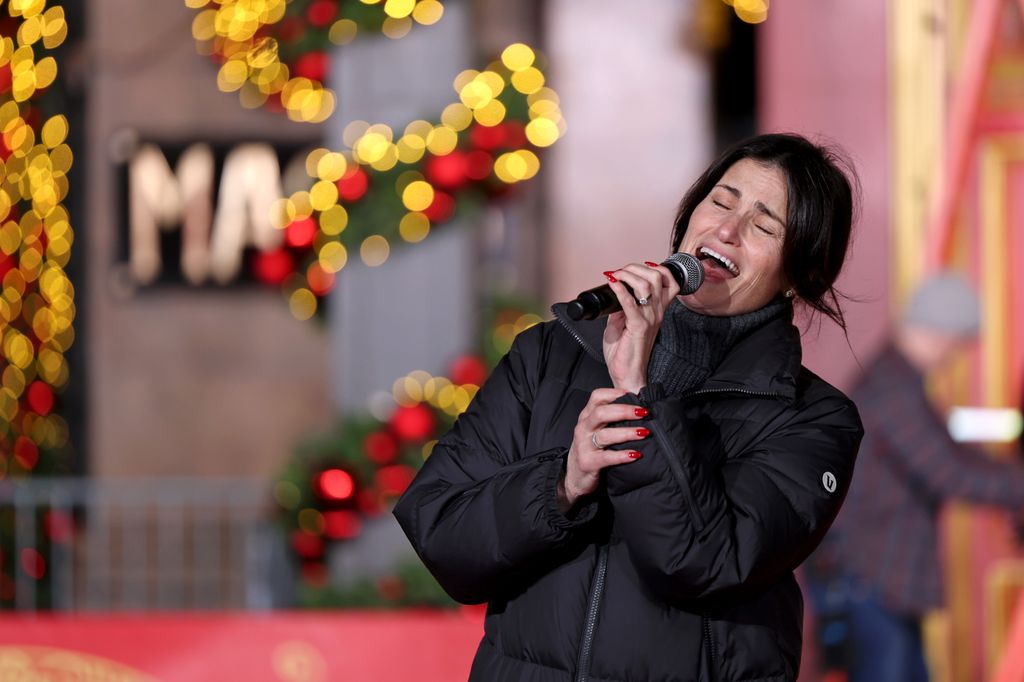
[[879, 570], [630, 495]]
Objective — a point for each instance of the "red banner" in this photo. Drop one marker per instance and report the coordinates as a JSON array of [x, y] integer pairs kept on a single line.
[[408, 646]]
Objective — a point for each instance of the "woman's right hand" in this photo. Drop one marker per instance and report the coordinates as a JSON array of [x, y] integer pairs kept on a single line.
[[587, 454]]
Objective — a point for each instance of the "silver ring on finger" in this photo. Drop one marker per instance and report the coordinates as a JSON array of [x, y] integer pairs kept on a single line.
[[643, 300], [593, 439]]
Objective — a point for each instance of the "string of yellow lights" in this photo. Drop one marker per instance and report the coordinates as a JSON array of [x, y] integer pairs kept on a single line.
[[37, 308], [272, 52], [439, 159]]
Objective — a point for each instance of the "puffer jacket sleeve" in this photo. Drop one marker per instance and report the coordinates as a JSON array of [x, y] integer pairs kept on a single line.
[[483, 509], [697, 528]]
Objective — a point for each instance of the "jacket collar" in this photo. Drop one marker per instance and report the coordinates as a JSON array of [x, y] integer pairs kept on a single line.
[[765, 361]]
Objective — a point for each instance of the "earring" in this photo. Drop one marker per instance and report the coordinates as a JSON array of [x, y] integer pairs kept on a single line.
[[789, 293]]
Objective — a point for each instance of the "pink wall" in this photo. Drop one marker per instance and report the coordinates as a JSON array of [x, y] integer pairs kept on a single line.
[[639, 132], [823, 73]]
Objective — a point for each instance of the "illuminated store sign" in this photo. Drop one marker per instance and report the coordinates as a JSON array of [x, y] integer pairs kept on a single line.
[[194, 214]]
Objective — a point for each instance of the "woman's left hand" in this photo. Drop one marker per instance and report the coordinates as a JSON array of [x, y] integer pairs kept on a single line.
[[630, 334]]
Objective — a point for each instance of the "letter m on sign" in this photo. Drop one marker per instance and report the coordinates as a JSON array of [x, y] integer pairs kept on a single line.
[[213, 240]]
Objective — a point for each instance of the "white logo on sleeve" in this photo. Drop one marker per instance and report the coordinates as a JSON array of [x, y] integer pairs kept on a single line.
[[828, 480]]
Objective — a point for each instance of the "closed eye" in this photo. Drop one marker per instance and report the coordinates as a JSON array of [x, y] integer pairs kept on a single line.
[[765, 230], [719, 204]]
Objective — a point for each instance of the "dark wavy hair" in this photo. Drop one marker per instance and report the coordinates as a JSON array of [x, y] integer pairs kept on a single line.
[[823, 198]]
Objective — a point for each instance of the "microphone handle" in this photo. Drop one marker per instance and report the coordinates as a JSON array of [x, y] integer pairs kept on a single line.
[[594, 303]]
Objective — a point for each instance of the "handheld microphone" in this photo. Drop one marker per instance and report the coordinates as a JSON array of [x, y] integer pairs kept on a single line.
[[593, 303]]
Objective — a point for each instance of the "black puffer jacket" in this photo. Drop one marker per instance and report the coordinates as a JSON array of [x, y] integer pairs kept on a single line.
[[682, 568]]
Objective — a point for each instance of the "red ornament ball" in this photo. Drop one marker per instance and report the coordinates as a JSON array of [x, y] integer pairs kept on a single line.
[[489, 137], [40, 398], [307, 545], [312, 65], [369, 502], [300, 233], [292, 29], [26, 453], [272, 267], [342, 524], [381, 447], [393, 480], [468, 369], [322, 12], [413, 424], [479, 165], [441, 208], [353, 185], [6, 262], [336, 484], [447, 172], [515, 133]]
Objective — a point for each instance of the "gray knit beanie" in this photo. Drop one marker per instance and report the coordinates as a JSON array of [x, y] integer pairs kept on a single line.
[[945, 302]]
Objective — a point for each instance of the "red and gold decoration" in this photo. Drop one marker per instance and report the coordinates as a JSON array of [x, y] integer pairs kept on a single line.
[[388, 188], [274, 53], [355, 472], [37, 306]]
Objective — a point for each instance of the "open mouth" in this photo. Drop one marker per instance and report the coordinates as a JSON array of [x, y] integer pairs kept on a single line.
[[717, 260]]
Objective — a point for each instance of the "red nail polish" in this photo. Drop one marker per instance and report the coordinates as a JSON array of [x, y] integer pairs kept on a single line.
[[642, 432], [608, 274], [633, 454], [650, 264], [641, 412]]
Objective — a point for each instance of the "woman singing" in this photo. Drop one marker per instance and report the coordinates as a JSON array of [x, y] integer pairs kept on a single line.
[[631, 495]]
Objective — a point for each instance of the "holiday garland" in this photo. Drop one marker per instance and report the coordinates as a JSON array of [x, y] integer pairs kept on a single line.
[[382, 189], [355, 472], [386, 188], [274, 52], [37, 306], [378, 191], [37, 303]]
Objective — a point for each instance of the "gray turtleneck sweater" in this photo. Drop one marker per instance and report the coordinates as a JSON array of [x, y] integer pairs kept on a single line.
[[690, 345]]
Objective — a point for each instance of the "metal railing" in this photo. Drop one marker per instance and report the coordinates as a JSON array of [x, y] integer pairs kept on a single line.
[[138, 543]]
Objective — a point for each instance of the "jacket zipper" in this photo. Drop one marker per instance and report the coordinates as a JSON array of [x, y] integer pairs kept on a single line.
[[597, 584], [600, 571], [593, 604], [572, 332], [712, 654], [741, 391]]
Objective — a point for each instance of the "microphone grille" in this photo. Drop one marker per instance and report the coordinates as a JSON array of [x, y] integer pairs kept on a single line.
[[691, 269]]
